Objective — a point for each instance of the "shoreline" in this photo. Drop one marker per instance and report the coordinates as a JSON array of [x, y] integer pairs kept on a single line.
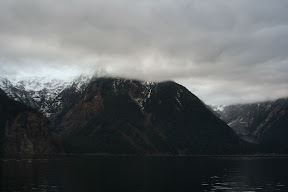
[[20, 156]]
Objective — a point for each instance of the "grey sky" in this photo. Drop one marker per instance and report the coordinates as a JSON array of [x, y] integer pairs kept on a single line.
[[224, 51]]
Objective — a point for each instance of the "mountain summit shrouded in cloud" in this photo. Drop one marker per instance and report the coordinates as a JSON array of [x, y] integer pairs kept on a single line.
[[224, 51]]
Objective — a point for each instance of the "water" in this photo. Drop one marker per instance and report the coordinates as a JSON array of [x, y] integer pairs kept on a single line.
[[92, 173]]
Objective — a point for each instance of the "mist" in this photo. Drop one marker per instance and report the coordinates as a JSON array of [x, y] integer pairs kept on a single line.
[[224, 51]]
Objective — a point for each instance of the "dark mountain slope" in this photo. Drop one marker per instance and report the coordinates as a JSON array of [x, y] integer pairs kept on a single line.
[[131, 117], [22, 129]]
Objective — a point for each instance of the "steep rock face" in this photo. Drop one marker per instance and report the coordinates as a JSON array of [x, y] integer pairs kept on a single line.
[[126, 116], [22, 129], [265, 122]]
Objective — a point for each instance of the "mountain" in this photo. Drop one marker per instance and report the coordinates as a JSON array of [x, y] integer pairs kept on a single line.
[[116, 116], [264, 122], [23, 129], [42, 93], [120, 116]]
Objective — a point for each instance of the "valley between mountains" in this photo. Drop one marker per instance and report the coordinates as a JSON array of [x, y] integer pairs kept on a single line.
[[105, 115]]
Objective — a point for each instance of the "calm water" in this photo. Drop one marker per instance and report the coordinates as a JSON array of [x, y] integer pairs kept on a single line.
[[91, 173]]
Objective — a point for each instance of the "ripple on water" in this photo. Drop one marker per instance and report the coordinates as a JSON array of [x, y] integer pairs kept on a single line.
[[88, 173]]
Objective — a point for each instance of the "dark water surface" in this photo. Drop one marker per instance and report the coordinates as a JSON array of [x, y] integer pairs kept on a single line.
[[94, 173]]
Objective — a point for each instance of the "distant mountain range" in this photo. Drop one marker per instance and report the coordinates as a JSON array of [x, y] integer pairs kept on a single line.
[[106, 115], [262, 123]]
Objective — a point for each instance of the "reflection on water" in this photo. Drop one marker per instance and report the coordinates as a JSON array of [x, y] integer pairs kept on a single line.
[[250, 174], [92, 173]]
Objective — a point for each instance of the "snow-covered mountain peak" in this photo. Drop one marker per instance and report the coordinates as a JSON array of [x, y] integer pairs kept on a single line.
[[42, 93], [39, 83]]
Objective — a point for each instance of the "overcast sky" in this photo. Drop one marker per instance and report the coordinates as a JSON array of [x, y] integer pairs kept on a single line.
[[224, 51]]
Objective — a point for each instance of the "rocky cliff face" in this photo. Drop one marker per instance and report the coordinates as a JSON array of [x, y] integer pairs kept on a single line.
[[132, 117], [265, 122], [22, 129]]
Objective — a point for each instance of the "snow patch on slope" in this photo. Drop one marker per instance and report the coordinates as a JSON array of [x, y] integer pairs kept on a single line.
[[218, 107]]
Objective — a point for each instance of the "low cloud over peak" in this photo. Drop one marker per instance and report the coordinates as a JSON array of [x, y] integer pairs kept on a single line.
[[223, 51]]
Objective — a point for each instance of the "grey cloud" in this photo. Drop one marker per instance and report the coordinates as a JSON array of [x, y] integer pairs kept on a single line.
[[225, 51]]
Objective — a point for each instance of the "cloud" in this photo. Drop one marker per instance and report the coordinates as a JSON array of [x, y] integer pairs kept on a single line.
[[225, 51]]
